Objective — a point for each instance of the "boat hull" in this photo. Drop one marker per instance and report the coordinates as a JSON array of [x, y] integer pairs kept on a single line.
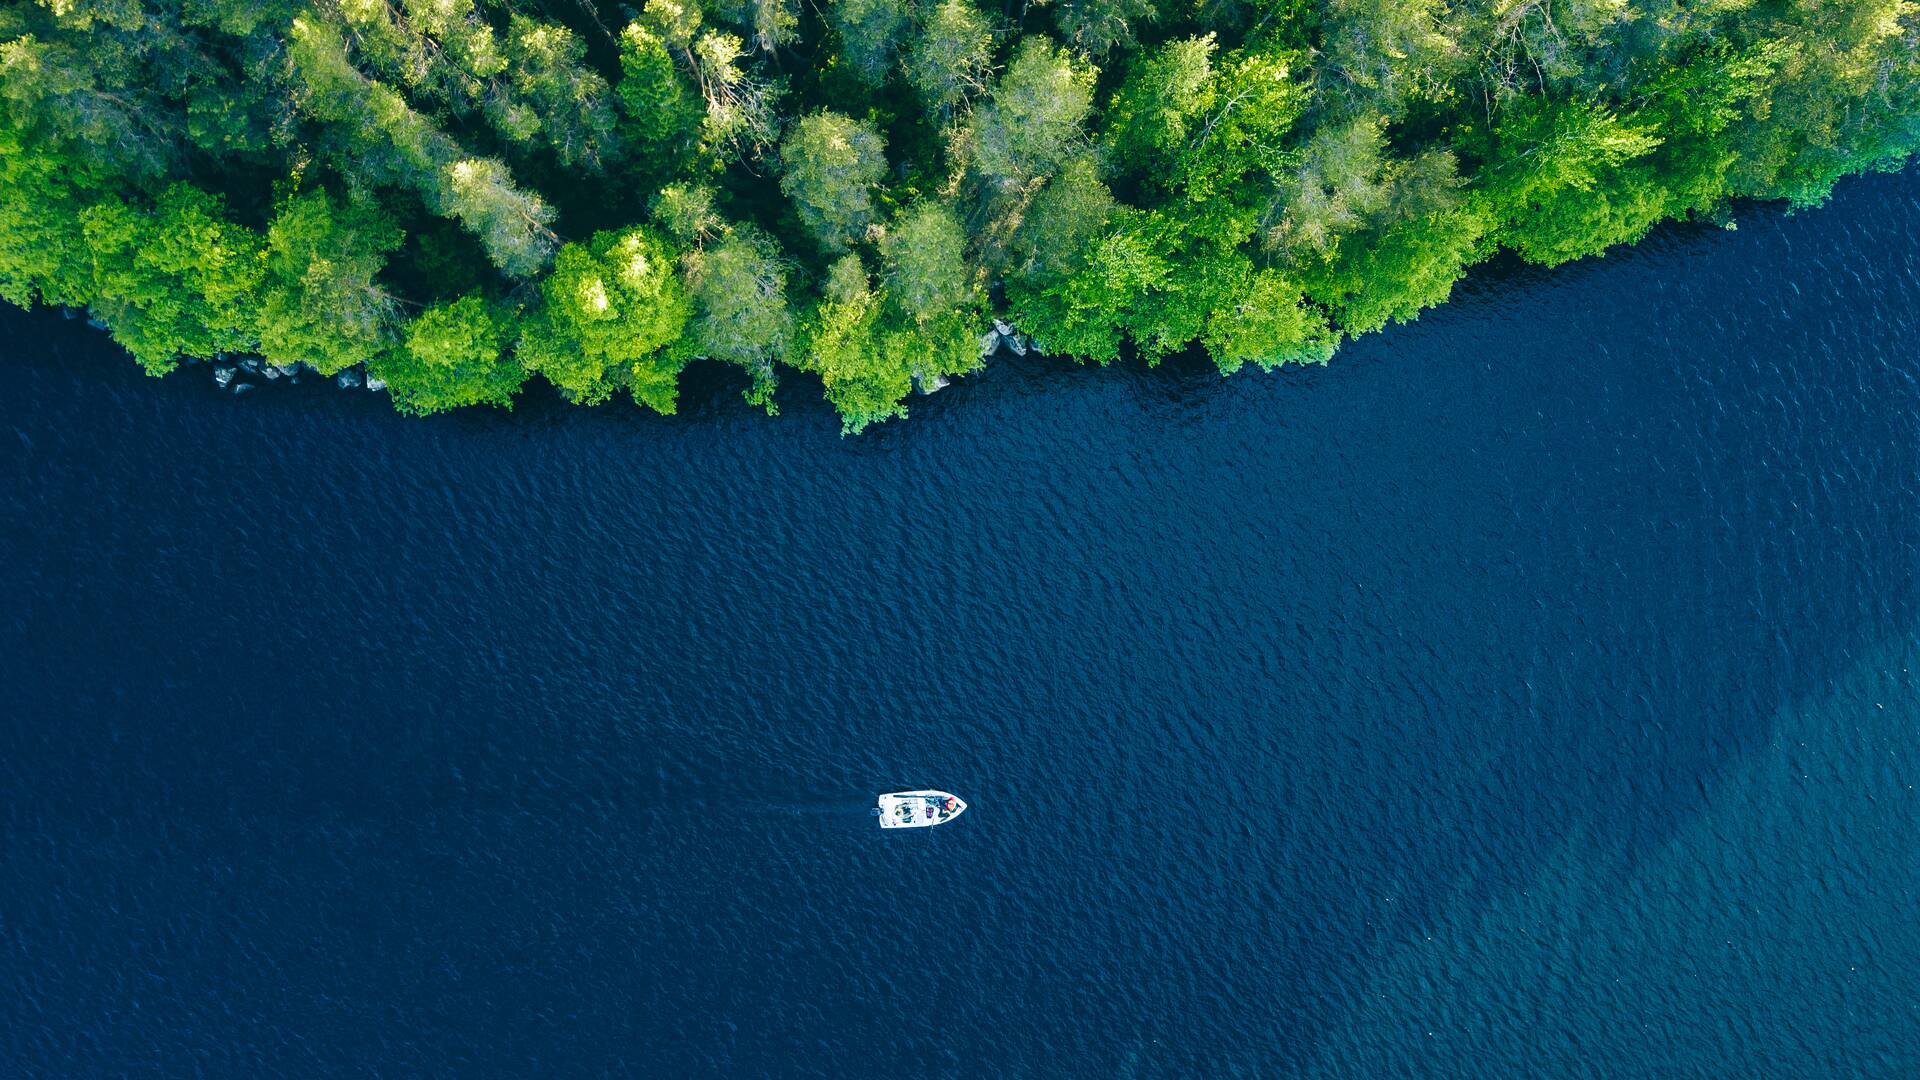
[[919, 809]]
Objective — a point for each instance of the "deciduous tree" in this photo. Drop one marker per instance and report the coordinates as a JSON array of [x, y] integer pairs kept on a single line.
[[609, 312], [177, 279], [322, 303], [1035, 119], [951, 57], [452, 355], [829, 167], [741, 314]]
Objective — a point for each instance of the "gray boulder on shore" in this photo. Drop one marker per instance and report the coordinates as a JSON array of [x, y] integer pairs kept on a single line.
[[376, 383], [347, 379], [222, 376], [241, 388]]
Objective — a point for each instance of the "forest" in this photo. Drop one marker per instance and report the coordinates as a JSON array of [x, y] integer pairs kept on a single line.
[[458, 195]]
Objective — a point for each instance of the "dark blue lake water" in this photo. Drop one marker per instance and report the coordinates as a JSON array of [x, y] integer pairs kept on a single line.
[[1530, 693]]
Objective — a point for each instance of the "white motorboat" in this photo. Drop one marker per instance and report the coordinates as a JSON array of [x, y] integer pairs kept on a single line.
[[918, 809]]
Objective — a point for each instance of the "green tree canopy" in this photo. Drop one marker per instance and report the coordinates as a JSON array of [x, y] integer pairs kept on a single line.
[[1035, 119], [739, 287], [451, 355], [951, 57], [924, 255], [609, 311], [322, 302], [175, 280], [465, 193], [870, 33], [829, 167]]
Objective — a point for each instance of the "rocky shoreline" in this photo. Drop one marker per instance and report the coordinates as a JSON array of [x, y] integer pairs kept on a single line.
[[237, 374], [246, 373]]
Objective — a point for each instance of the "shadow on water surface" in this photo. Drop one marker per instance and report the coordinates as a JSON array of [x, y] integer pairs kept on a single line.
[[1677, 965], [1252, 684]]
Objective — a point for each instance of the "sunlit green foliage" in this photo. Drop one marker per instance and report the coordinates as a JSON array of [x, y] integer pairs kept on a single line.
[[1382, 55], [1072, 210], [174, 280], [383, 138], [608, 312], [741, 312], [450, 355], [43, 253], [559, 101], [1096, 26], [741, 120], [924, 260], [829, 167], [870, 33], [322, 302], [1563, 182], [1151, 116], [1402, 268], [841, 342], [1263, 322], [1036, 116], [462, 193], [1244, 141], [769, 23], [951, 57]]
